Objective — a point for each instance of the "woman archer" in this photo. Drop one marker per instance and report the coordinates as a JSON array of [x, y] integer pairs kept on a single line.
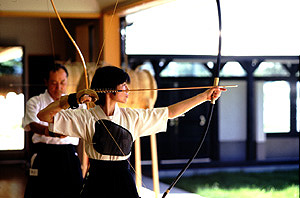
[[109, 131]]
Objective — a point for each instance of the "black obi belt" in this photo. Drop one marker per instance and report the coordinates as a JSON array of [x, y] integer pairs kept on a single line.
[[103, 142]]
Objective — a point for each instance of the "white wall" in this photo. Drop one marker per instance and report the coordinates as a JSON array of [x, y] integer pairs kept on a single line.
[[233, 122], [233, 113]]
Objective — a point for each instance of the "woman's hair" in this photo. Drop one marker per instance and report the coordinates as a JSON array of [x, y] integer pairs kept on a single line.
[[108, 77]]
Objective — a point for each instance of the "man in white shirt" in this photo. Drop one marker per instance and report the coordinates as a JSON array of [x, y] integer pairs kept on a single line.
[[55, 167]]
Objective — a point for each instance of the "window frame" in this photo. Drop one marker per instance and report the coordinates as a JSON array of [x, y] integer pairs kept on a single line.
[[293, 122]]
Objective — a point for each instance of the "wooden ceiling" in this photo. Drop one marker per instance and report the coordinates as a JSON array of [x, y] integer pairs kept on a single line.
[[73, 9]]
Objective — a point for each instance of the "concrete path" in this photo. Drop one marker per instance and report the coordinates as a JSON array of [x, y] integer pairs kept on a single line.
[[146, 192]]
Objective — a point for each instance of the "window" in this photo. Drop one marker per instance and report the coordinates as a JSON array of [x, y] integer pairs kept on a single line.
[[11, 98], [271, 69], [233, 69], [148, 66], [276, 107], [185, 69]]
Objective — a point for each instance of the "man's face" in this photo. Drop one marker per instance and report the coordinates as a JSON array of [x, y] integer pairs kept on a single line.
[[57, 83]]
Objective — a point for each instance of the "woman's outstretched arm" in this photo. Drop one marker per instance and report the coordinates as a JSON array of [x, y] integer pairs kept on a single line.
[[185, 105]]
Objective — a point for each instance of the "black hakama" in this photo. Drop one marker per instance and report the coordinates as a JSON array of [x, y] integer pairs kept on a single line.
[[109, 179], [56, 172]]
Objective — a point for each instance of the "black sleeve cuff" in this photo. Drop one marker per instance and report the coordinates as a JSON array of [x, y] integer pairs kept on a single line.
[[51, 134], [72, 100]]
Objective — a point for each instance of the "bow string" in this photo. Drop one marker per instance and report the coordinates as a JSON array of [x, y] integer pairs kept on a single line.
[[216, 71]]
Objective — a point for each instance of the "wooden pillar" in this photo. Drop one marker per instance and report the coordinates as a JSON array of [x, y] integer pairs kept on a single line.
[[82, 39], [138, 166], [155, 176], [110, 40], [250, 67]]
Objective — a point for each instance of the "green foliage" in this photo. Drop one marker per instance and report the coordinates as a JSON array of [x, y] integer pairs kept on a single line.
[[281, 184], [11, 66]]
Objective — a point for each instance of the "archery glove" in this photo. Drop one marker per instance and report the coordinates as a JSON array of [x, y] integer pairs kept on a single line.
[[73, 100]]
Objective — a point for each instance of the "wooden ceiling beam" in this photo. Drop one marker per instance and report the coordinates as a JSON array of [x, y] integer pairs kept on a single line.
[[51, 15], [132, 6]]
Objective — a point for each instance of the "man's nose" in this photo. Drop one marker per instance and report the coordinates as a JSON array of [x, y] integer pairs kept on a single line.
[[58, 86]]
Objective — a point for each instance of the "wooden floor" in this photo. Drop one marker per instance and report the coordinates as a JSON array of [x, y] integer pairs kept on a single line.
[[12, 180]]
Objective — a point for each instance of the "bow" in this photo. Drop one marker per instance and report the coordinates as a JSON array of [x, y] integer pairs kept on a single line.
[[216, 82], [85, 159]]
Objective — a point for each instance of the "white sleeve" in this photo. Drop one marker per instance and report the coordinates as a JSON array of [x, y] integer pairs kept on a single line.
[[151, 121], [32, 109], [74, 123]]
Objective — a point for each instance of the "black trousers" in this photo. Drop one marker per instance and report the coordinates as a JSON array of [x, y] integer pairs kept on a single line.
[[56, 172], [109, 179]]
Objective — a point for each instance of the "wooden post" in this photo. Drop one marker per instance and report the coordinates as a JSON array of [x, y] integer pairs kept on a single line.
[[155, 176], [138, 167], [111, 52]]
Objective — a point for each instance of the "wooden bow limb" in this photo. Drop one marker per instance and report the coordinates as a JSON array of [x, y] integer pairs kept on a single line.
[[74, 43], [85, 161]]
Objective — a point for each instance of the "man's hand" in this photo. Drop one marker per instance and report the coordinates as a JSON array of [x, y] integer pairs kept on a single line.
[[86, 96], [43, 130]]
